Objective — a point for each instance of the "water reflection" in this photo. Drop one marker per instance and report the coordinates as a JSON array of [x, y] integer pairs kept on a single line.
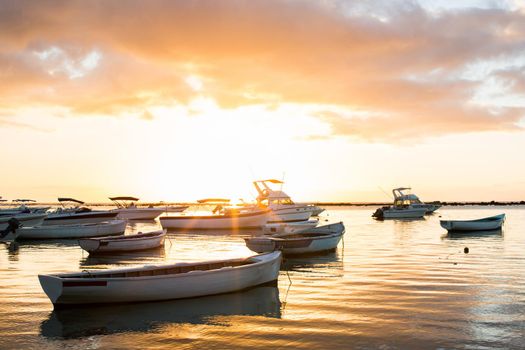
[[328, 264], [140, 317], [475, 234]]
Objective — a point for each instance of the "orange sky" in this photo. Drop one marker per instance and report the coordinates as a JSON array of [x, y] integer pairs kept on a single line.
[[177, 100]]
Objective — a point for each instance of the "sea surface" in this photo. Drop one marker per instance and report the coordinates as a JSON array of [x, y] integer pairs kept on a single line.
[[390, 285]]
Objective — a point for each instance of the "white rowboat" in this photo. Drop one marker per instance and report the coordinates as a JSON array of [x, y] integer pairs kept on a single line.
[[316, 240], [485, 224], [163, 282], [124, 243], [113, 227]]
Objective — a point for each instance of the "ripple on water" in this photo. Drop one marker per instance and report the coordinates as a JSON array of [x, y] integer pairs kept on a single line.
[[390, 285]]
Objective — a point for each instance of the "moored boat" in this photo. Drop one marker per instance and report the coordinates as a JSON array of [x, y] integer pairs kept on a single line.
[[402, 196], [113, 227], [402, 208], [23, 219], [485, 224], [316, 240], [222, 219], [124, 243], [127, 209], [283, 208], [162, 282]]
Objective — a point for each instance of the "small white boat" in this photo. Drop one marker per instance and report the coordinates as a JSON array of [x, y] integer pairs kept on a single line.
[[223, 219], [23, 219], [127, 209], [402, 196], [124, 243], [289, 227], [485, 224], [163, 282], [113, 227], [316, 240]]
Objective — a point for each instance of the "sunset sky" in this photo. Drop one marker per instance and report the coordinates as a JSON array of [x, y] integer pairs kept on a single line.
[[180, 100]]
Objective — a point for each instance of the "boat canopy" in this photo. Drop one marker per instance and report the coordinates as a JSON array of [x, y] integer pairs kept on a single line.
[[123, 198], [24, 200], [65, 199], [213, 200]]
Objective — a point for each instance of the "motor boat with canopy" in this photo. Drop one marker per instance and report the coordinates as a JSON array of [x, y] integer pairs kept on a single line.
[[128, 209], [402, 208], [72, 212]]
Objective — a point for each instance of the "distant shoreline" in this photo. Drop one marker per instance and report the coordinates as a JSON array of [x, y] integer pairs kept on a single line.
[[322, 204]]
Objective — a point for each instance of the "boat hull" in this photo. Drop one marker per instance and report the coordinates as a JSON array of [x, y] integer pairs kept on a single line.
[[114, 227], [399, 213], [63, 289], [213, 222], [24, 219], [123, 244], [93, 217], [486, 224], [293, 213]]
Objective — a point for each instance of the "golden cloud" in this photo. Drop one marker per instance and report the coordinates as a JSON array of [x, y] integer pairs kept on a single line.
[[402, 64]]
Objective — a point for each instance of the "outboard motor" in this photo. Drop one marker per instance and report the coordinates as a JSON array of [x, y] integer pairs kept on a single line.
[[12, 225], [379, 214]]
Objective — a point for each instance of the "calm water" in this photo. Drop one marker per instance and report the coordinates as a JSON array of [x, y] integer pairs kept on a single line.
[[391, 285]]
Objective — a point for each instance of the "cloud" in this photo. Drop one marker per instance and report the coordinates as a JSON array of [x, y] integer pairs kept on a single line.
[[400, 62]]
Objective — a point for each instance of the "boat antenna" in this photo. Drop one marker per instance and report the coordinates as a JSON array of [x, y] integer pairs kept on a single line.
[[386, 194], [282, 183]]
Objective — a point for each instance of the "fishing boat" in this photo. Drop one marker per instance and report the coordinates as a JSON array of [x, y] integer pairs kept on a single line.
[[485, 224], [219, 218], [316, 240], [290, 227], [23, 219], [162, 282], [72, 212], [127, 209], [283, 208], [113, 227], [401, 209], [402, 196], [124, 243]]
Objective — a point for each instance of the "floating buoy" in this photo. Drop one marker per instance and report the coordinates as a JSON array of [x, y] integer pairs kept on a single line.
[[465, 250]]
